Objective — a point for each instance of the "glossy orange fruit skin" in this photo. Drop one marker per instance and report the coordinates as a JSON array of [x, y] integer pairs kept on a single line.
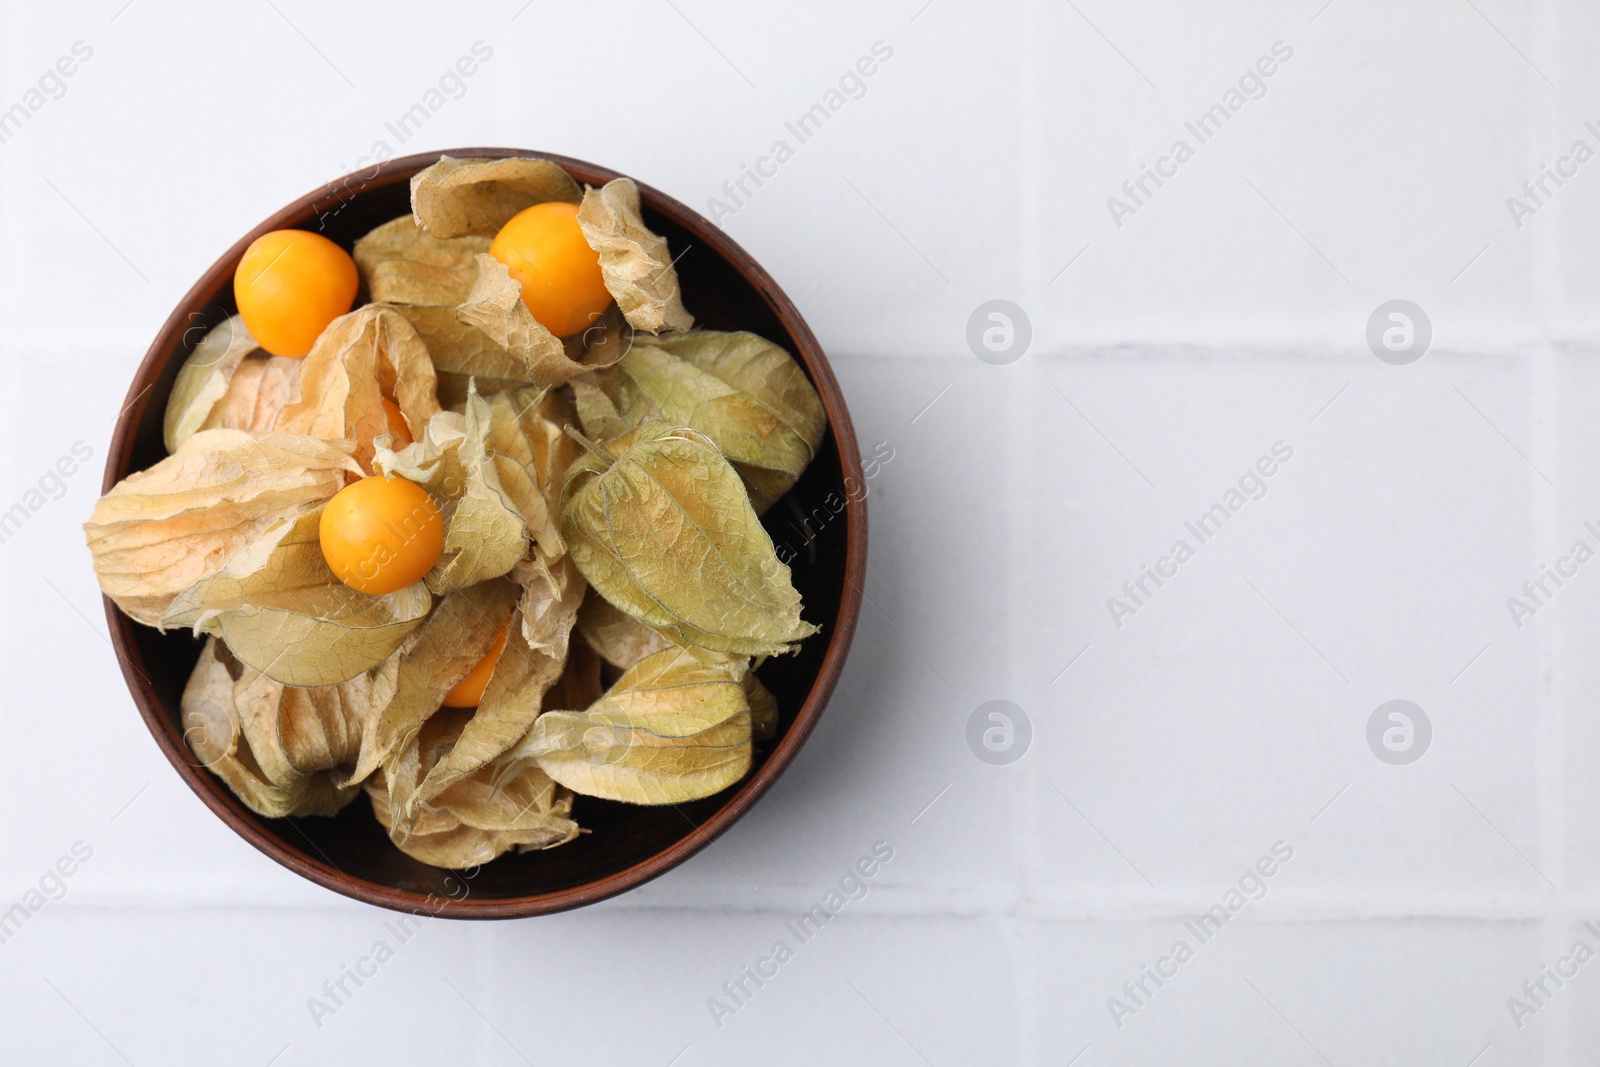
[[289, 286], [468, 693], [398, 427], [381, 534], [544, 249]]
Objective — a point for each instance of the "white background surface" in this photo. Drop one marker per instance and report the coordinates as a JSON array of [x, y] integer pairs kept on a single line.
[[1226, 315]]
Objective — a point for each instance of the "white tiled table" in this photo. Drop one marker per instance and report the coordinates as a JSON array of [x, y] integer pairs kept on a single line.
[[1227, 714]]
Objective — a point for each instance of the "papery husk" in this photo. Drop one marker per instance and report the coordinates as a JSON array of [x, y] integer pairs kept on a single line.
[[297, 731], [261, 387], [763, 708], [203, 379], [742, 391], [635, 262], [484, 533], [666, 533], [580, 683], [478, 196], [674, 728], [441, 652], [495, 308], [617, 637], [475, 821], [281, 610], [212, 729], [526, 670], [462, 353], [552, 592], [403, 264], [532, 455], [604, 342], [610, 404], [362, 357], [161, 530]]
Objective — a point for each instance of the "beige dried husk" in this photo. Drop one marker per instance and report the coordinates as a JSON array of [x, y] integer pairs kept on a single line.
[[478, 818], [282, 611], [660, 525], [228, 382], [484, 533], [619, 638], [362, 357], [634, 261], [404, 264], [160, 530], [278, 749], [674, 728], [441, 652], [532, 455], [478, 196], [745, 393], [495, 308]]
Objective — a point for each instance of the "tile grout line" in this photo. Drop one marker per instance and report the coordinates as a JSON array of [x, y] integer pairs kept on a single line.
[[1544, 375], [1016, 929]]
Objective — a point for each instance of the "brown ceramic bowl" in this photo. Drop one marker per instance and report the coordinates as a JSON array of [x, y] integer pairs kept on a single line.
[[628, 845]]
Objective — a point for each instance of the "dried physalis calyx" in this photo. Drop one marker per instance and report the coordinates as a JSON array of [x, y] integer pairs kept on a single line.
[[160, 530], [634, 261], [481, 816], [745, 393], [675, 727], [659, 523], [236, 722], [228, 382], [361, 360], [282, 611], [484, 532], [478, 196], [404, 264]]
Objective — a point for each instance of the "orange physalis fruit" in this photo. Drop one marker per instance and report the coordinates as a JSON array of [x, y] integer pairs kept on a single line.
[[544, 249], [381, 534], [468, 693], [289, 286]]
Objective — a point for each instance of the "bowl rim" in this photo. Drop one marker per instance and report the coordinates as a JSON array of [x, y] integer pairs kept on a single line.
[[840, 631]]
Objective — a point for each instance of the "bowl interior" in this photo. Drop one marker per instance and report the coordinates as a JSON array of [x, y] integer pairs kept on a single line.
[[820, 521]]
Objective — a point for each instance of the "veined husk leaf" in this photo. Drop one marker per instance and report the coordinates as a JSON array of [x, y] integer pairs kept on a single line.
[[666, 533], [203, 379], [526, 670], [619, 638], [540, 813], [763, 708], [296, 731], [359, 359], [609, 404], [484, 533], [675, 727], [634, 261], [212, 730], [462, 353], [478, 196], [161, 530], [532, 454], [403, 264], [742, 391], [495, 308], [552, 593], [281, 610], [261, 387], [438, 654]]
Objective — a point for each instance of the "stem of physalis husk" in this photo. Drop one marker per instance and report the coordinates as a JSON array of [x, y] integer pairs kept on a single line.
[[590, 445]]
